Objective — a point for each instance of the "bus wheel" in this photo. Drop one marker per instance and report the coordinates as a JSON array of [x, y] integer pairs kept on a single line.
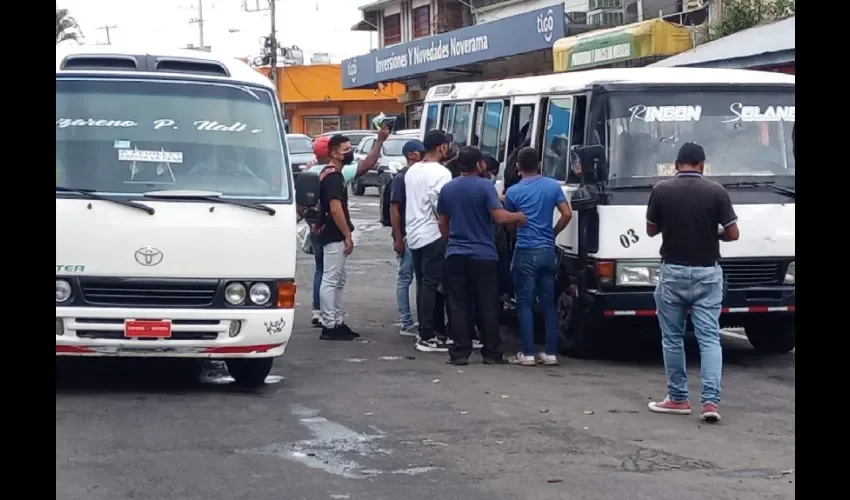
[[772, 337], [250, 373], [576, 341]]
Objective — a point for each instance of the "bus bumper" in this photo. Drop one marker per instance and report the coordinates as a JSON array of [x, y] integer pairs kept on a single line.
[[194, 333]]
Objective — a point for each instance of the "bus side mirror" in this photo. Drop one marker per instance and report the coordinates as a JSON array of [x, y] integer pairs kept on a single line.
[[592, 160]]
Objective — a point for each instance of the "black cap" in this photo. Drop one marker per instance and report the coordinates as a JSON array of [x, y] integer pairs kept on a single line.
[[434, 139], [690, 153]]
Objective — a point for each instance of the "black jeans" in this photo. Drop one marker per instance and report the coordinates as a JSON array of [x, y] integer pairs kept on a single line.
[[428, 268], [469, 280]]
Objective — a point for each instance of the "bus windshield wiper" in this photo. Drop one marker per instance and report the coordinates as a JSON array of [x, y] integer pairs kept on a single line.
[[92, 195], [208, 196], [787, 191]]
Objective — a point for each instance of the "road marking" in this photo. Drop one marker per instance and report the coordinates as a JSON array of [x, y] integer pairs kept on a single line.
[[335, 449]]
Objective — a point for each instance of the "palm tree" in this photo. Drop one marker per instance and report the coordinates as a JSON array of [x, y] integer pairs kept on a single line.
[[66, 27]]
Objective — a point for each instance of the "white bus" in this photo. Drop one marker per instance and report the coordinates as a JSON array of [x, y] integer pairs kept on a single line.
[[175, 217], [626, 126]]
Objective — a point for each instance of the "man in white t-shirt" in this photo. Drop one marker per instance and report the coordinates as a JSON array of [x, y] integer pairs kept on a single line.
[[423, 182]]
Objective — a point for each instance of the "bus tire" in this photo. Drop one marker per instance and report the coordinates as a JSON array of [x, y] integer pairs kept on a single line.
[[250, 373], [772, 337], [575, 341]]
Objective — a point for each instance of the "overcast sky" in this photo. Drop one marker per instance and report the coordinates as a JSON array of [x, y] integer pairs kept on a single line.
[[312, 25]]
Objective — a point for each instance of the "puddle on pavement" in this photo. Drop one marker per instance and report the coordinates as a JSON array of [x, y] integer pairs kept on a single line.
[[336, 449]]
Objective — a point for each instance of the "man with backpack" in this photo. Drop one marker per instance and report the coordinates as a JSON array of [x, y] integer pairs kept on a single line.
[[394, 204], [332, 227]]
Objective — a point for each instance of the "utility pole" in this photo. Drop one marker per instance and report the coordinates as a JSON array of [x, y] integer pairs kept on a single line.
[[271, 47], [106, 28], [200, 22]]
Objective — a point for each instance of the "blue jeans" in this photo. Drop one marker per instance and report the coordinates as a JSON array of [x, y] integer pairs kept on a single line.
[[319, 254], [699, 289], [534, 277], [402, 288]]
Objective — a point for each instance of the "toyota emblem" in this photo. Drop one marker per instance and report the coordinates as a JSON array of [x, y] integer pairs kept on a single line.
[[148, 256]]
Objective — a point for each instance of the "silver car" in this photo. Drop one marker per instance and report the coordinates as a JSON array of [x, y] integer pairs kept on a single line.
[[300, 152], [391, 161]]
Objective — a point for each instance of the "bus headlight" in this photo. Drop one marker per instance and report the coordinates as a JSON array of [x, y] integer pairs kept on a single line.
[[63, 291], [235, 293], [791, 274], [638, 273], [260, 294]]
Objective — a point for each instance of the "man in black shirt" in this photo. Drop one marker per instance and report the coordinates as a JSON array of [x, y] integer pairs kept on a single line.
[[335, 238], [693, 215]]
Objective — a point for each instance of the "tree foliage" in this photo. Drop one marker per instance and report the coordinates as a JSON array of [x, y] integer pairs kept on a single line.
[[66, 27], [739, 15]]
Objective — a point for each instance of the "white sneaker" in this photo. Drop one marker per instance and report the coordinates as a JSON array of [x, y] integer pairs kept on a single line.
[[523, 360], [316, 320], [476, 344], [547, 359], [432, 345]]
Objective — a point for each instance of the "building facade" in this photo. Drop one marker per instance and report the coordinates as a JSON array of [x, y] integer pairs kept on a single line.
[[314, 101]]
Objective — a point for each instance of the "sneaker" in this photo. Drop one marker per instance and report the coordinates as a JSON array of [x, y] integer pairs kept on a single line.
[[476, 344], [449, 342], [710, 413], [495, 361], [458, 362], [336, 333], [547, 359], [347, 329], [523, 360], [317, 318], [409, 331], [670, 407], [431, 345]]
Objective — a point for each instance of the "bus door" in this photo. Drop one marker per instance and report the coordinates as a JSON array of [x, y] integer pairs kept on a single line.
[[522, 124]]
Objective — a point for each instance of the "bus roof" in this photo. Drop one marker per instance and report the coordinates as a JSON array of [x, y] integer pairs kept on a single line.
[[113, 59], [581, 80]]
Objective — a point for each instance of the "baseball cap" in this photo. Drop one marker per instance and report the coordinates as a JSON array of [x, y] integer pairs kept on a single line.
[[412, 146], [320, 146], [690, 153], [434, 139]]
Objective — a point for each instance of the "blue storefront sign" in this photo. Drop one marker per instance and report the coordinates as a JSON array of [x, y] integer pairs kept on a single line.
[[520, 34]]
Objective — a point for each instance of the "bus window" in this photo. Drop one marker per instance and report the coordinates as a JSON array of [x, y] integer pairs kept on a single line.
[[577, 134], [503, 135], [447, 116], [460, 124], [521, 118], [476, 125], [556, 138], [431, 117], [490, 127]]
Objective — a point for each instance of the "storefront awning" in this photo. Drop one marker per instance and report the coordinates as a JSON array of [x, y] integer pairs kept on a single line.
[[653, 38], [527, 32], [771, 44]]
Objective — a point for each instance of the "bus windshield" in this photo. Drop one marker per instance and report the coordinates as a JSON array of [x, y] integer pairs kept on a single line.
[[744, 133], [126, 137]]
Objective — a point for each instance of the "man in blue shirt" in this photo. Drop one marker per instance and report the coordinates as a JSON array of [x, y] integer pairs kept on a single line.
[[535, 259], [467, 208]]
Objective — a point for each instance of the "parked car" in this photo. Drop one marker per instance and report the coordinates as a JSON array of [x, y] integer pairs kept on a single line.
[[390, 162], [412, 132], [300, 152]]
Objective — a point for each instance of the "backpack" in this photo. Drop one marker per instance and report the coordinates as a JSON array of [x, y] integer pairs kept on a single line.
[[308, 203], [386, 193]]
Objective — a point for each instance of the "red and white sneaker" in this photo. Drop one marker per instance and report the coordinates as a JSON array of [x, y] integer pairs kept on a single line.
[[670, 407], [710, 413]]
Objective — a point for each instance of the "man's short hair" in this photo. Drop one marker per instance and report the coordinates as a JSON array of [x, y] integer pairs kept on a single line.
[[434, 139], [492, 163], [454, 167], [468, 157], [690, 154], [528, 159], [336, 141]]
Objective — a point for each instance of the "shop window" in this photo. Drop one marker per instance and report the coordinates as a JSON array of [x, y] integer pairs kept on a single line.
[[392, 30], [490, 126], [556, 138], [350, 122], [606, 19], [421, 21], [369, 119], [317, 125]]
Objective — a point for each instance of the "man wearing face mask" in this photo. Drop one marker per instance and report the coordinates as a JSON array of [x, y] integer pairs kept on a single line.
[[335, 234], [423, 183]]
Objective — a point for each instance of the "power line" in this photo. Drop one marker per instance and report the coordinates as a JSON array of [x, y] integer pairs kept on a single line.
[[106, 28]]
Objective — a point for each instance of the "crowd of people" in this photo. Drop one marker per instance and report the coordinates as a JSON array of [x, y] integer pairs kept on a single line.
[[446, 216]]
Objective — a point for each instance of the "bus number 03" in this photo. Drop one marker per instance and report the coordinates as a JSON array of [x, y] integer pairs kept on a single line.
[[629, 238]]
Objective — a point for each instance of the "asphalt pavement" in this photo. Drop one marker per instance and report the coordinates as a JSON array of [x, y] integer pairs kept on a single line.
[[374, 419]]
